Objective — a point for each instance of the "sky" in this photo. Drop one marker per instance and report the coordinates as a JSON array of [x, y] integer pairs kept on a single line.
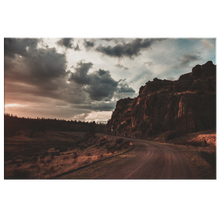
[[83, 78]]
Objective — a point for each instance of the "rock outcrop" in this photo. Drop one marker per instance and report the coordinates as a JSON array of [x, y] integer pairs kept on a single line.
[[185, 105]]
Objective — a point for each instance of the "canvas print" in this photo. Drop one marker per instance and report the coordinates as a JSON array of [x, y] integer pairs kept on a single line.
[[109, 108]]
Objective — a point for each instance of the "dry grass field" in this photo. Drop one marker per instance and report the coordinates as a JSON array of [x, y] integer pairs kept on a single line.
[[52, 153]]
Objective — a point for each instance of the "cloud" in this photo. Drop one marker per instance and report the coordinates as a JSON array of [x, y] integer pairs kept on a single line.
[[102, 86], [127, 49], [98, 116], [88, 44], [148, 63], [67, 43], [124, 88], [77, 48], [121, 66], [36, 72], [99, 84], [208, 43], [37, 67], [19, 46], [39, 75], [187, 58], [80, 75]]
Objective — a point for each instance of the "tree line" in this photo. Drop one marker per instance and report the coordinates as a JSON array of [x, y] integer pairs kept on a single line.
[[13, 125]]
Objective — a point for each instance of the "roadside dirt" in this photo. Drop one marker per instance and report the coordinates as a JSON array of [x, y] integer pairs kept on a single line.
[[199, 148]]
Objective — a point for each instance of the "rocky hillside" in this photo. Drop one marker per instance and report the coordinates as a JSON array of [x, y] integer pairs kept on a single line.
[[184, 106]]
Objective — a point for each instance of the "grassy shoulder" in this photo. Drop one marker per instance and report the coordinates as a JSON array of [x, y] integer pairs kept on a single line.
[[95, 171], [52, 153]]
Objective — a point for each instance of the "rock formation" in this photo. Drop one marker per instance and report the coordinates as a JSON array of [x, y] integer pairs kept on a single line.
[[185, 105]]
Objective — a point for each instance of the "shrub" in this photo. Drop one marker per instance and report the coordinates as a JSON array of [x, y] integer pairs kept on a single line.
[[52, 168], [100, 156], [149, 133], [120, 140], [66, 157], [118, 147], [63, 149], [75, 155], [49, 160], [195, 143], [169, 135], [33, 166], [125, 144], [112, 150]]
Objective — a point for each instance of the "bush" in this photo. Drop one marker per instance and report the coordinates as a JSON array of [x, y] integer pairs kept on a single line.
[[118, 147], [149, 133], [75, 155], [120, 140], [125, 144], [195, 143], [66, 157], [100, 156], [112, 150], [169, 135]]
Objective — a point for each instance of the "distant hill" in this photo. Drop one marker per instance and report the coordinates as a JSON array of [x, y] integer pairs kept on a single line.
[[185, 105]]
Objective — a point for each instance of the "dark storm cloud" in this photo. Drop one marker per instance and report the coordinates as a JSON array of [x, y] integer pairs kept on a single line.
[[68, 44], [89, 44], [38, 72], [80, 74], [99, 84], [19, 46], [127, 49], [102, 86], [35, 66]]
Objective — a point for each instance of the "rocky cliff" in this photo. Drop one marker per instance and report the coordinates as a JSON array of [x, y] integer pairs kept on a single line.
[[185, 105]]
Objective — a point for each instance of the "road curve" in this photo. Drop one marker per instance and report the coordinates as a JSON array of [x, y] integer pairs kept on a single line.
[[151, 161], [148, 160]]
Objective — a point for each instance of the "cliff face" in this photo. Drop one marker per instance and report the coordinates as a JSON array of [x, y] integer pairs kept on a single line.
[[185, 105]]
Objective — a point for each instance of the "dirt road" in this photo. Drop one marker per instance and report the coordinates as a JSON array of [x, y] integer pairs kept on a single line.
[[146, 161]]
